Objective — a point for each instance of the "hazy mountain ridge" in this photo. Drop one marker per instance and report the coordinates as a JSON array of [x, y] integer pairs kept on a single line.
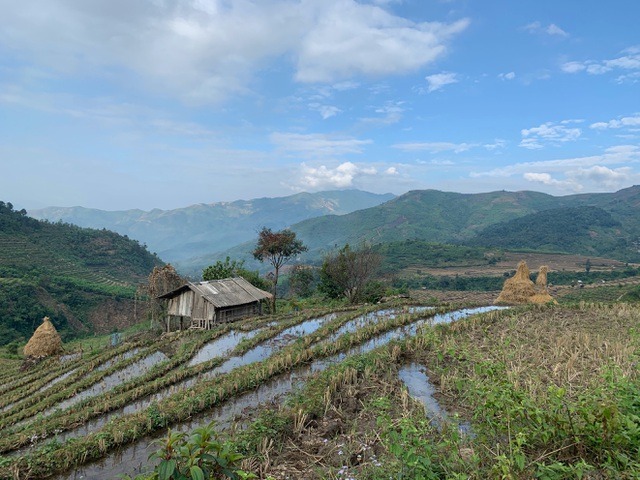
[[205, 228], [448, 217]]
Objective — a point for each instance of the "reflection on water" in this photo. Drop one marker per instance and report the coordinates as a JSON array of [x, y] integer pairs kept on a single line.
[[132, 458]]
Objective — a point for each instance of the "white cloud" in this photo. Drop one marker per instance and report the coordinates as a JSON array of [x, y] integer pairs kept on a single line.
[[192, 49], [573, 67], [439, 80], [325, 111], [317, 145], [391, 171], [390, 113], [497, 144], [633, 121], [628, 61], [351, 39], [547, 179], [551, 29], [435, 147], [507, 76], [617, 155], [604, 176], [341, 176], [537, 137]]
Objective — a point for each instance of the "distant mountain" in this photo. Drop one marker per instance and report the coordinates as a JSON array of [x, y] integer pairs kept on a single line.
[[208, 228], [84, 279], [507, 219]]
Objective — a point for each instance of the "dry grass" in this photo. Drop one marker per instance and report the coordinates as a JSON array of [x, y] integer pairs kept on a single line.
[[45, 341], [519, 289]]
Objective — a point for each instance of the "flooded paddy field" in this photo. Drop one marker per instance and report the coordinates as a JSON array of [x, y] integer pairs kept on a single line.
[[342, 382]]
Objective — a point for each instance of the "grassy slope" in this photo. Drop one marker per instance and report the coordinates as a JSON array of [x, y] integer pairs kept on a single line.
[[62, 271]]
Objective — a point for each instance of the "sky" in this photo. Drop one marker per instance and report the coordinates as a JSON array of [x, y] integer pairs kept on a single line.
[[121, 104]]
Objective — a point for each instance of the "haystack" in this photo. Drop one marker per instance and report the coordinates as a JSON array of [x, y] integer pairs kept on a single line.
[[520, 289], [44, 342], [517, 289], [542, 293]]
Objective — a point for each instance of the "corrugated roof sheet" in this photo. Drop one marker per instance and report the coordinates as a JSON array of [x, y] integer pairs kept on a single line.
[[224, 293]]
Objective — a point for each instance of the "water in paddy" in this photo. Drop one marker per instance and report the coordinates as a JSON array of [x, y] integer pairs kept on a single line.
[[109, 382], [58, 379], [221, 346], [421, 388], [226, 344], [133, 457], [118, 358]]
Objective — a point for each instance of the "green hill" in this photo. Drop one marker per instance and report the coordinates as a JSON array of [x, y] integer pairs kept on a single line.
[[77, 276], [604, 224], [589, 230]]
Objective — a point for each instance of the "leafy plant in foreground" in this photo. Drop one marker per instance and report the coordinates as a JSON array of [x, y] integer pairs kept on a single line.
[[199, 456]]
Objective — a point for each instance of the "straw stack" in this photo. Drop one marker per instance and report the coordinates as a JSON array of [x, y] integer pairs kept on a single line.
[[517, 289], [542, 293], [520, 289], [44, 342]]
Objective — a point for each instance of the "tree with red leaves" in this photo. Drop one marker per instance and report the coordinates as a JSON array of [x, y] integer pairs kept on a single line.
[[277, 248]]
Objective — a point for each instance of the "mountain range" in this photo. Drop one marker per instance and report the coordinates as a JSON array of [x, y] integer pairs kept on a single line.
[[205, 229], [605, 224]]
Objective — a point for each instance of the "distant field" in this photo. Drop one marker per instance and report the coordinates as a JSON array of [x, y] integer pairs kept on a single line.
[[555, 262]]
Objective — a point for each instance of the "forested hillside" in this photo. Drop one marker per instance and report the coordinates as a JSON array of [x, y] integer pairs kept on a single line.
[[589, 230], [603, 224], [77, 276]]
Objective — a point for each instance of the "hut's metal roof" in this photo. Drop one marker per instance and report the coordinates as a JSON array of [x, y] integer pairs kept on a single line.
[[223, 293]]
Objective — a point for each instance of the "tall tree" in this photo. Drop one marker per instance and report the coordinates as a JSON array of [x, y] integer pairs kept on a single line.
[[277, 248], [347, 271]]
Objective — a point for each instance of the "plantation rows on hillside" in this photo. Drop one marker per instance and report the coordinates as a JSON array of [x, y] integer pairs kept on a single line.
[[62, 271]]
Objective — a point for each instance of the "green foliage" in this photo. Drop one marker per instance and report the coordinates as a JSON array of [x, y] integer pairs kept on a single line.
[[200, 456], [277, 248], [302, 281], [346, 272], [233, 268], [457, 282], [397, 256], [60, 270], [220, 270], [593, 230]]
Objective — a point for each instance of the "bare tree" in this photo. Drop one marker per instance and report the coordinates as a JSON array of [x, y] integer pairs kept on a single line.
[[277, 248], [347, 271], [161, 280]]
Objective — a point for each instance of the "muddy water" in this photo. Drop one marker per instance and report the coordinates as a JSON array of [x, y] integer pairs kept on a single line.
[[421, 388], [118, 358], [111, 381], [221, 346], [373, 317], [227, 342], [132, 458]]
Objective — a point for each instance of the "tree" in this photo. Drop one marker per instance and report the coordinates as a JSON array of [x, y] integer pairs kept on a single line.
[[302, 281], [233, 268], [219, 270], [277, 248], [347, 271], [587, 265]]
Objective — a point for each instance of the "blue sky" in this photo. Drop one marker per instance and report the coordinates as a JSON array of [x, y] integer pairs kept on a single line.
[[118, 104]]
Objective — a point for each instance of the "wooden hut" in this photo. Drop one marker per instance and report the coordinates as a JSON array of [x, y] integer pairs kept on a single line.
[[215, 301]]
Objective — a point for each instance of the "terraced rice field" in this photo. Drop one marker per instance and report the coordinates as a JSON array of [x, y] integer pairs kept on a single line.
[[101, 415], [62, 401]]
